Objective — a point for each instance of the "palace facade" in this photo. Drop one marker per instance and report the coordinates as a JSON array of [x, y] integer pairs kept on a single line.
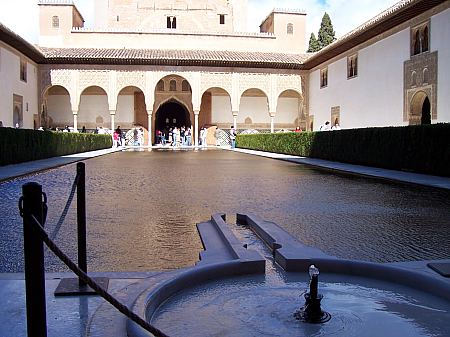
[[159, 64]]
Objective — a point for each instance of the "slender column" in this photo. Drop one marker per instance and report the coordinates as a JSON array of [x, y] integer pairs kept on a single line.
[[196, 112], [235, 114], [150, 132], [75, 119], [113, 115], [272, 118]]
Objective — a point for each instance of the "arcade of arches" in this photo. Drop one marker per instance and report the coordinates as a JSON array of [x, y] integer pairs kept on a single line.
[[110, 98]]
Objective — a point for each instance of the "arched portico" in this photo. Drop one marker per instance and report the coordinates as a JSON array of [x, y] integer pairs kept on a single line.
[[289, 112], [170, 114], [216, 108], [254, 110], [131, 108], [172, 103], [93, 110], [57, 107]]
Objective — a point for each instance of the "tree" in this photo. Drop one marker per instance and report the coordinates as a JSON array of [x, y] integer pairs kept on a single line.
[[313, 44], [326, 32]]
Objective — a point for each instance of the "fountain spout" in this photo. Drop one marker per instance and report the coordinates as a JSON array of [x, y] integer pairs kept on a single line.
[[312, 312]]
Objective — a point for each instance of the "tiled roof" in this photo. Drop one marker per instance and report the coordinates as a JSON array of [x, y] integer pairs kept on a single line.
[[402, 11], [19, 43], [173, 57]]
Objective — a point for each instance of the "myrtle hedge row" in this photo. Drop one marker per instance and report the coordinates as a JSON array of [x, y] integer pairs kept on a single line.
[[20, 145], [419, 148]]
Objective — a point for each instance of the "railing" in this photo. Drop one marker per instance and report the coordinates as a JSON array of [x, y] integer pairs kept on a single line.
[[33, 209]]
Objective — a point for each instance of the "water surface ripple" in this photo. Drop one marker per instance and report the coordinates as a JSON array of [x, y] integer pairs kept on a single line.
[[142, 209]]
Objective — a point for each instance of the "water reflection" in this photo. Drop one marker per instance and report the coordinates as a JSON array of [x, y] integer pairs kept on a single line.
[[143, 206]]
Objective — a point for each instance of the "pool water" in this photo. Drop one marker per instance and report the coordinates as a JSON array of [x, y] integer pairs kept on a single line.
[[142, 208]]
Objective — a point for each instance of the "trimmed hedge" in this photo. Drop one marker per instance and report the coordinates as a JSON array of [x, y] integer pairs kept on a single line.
[[20, 145], [418, 148]]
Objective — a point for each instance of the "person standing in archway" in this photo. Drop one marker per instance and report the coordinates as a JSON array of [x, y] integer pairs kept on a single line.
[[233, 137]]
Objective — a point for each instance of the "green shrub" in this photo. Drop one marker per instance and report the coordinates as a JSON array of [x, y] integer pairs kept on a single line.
[[20, 145], [419, 148]]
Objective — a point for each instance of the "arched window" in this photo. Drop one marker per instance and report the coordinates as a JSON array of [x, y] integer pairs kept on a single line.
[[323, 77], [425, 76], [290, 28], [173, 85], [416, 43], [352, 66], [171, 22], [185, 86], [413, 78], [55, 21], [160, 86], [425, 39]]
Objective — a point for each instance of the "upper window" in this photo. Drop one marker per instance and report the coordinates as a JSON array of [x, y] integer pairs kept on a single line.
[[352, 66], [290, 28], [185, 86], [23, 70], [173, 85], [222, 19], [171, 22], [160, 86], [55, 21], [420, 39], [323, 77]]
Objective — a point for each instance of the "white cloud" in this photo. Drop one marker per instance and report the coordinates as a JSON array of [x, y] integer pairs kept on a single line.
[[21, 16]]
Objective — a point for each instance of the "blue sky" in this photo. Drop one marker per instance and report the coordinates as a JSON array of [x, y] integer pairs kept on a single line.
[[22, 15]]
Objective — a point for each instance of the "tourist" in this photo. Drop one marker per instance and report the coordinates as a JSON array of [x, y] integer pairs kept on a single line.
[[120, 137], [336, 127], [182, 136], [135, 137], [141, 136], [83, 129], [188, 137], [233, 137], [174, 136], [297, 129], [217, 135], [325, 126], [1, 124], [170, 136], [17, 125], [203, 135], [115, 138]]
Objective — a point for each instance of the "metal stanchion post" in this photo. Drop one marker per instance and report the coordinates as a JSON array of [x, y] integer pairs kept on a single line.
[[34, 260], [81, 218], [73, 286]]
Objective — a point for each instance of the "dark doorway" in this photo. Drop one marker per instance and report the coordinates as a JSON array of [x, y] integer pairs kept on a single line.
[[172, 114], [426, 112]]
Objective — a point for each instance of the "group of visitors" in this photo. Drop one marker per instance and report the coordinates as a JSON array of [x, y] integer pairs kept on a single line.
[[138, 136], [175, 136], [327, 126], [118, 137]]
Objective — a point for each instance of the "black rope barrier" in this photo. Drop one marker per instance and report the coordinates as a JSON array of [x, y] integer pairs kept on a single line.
[[66, 209], [89, 281]]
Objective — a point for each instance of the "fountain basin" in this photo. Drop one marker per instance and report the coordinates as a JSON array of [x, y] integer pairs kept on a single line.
[[235, 297], [205, 302]]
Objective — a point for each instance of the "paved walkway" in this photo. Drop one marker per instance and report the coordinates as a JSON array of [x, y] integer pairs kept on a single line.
[[17, 170], [405, 177]]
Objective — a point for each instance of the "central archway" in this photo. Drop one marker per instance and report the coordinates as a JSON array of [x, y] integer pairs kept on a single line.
[[172, 114]]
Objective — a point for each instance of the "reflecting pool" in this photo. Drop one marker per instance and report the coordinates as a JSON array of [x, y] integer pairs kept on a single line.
[[142, 209]]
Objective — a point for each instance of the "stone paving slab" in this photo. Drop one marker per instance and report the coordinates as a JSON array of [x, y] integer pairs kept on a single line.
[[375, 172], [17, 170]]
